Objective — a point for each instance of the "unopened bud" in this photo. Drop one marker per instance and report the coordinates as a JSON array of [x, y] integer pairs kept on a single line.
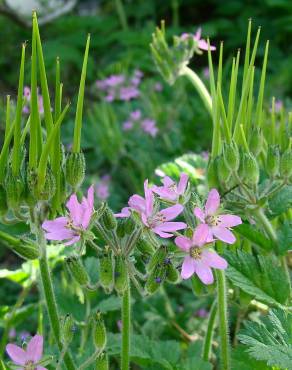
[[172, 274], [212, 177], [24, 248], [121, 228], [121, 278], [14, 187], [256, 142], [75, 169], [47, 191], [77, 270], [223, 172], [102, 362], [3, 202], [68, 329], [273, 160], [106, 270], [157, 258], [155, 279], [99, 332], [286, 164], [144, 246], [250, 169], [108, 219], [129, 225], [231, 156]]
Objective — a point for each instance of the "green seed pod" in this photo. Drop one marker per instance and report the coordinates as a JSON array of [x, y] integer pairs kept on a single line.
[[108, 219], [102, 362], [172, 274], [106, 270], [223, 172], [286, 164], [77, 270], [48, 189], [256, 142], [231, 156], [99, 332], [68, 329], [250, 169], [120, 275], [75, 169], [155, 279], [3, 202], [144, 246], [212, 177], [273, 160], [158, 258], [14, 187]]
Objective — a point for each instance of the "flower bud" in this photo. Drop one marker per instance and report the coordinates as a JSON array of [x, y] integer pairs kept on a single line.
[[68, 329], [231, 156], [129, 225], [14, 187], [120, 275], [256, 142], [75, 169], [108, 219], [157, 258], [172, 274], [77, 270], [273, 160], [47, 191], [106, 270], [250, 169], [144, 246], [155, 279], [99, 332], [223, 172], [212, 177], [24, 248], [3, 202], [121, 228], [102, 362], [286, 164]]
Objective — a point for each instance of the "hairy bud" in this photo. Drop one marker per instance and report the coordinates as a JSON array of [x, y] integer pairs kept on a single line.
[[14, 187], [155, 279], [172, 274], [77, 270], [109, 219], [3, 202], [68, 329], [158, 258], [212, 177], [102, 362], [144, 246], [256, 142], [120, 275], [286, 164], [99, 332], [250, 169], [223, 172], [75, 169], [47, 191], [273, 160], [106, 270], [231, 156]]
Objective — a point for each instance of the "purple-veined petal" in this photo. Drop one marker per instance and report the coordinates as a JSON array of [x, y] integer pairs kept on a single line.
[[34, 350], [200, 235], [183, 182], [229, 220], [188, 267], [213, 202], [137, 203], [74, 240], [214, 260], [199, 213], [125, 212], [204, 273], [75, 209], [172, 212], [53, 225], [223, 234], [183, 243], [17, 354]]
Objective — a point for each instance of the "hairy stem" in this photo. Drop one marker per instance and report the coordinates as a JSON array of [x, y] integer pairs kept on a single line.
[[126, 320], [207, 346]]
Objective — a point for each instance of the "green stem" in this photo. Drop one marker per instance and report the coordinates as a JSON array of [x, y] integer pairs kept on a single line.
[[126, 319], [50, 299], [200, 87], [223, 320], [207, 346]]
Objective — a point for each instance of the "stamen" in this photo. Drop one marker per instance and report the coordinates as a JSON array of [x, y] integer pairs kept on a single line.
[[195, 253]]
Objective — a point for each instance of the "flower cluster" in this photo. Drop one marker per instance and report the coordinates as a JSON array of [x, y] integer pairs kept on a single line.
[[148, 125], [27, 97], [120, 87]]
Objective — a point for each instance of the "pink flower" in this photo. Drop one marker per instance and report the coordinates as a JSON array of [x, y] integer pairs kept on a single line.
[[73, 226], [32, 355], [125, 212], [206, 72], [157, 221], [128, 93], [202, 43], [170, 190], [128, 125], [218, 225], [135, 115], [149, 126], [199, 260], [102, 187], [114, 80], [158, 87], [278, 106]]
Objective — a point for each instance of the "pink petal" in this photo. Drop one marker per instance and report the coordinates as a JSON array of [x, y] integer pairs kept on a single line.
[[212, 259], [149, 199], [213, 202], [53, 225], [167, 181], [172, 212], [204, 273], [61, 234], [137, 203], [200, 235], [124, 213], [162, 234], [74, 240], [223, 234], [34, 350], [198, 34], [164, 193], [171, 226], [17, 354], [183, 243], [229, 220], [41, 368], [183, 182], [75, 209], [188, 267], [199, 213], [90, 196], [203, 45]]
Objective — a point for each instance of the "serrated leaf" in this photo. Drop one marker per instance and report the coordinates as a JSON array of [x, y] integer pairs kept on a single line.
[[261, 277], [241, 360], [281, 202]]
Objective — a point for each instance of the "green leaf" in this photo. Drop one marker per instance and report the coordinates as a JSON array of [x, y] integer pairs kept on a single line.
[[281, 202], [269, 339], [285, 237], [256, 237], [18, 276], [241, 360], [110, 304], [261, 277]]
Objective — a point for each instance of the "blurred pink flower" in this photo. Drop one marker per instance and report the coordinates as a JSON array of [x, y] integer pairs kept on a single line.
[[128, 93], [158, 86], [218, 225], [114, 80], [136, 115], [206, 72], [149, 126], [170, 190], [102, 187], [27, 96], [71, 227], [29, 357], [278, 106], [128, 125], [202, 313], [202, 43], [199, 260]]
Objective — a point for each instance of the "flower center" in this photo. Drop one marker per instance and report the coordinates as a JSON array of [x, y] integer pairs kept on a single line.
[[156, 220], [212, 220], [29, 365], [70, 225], [196, 253], [172, 187]]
